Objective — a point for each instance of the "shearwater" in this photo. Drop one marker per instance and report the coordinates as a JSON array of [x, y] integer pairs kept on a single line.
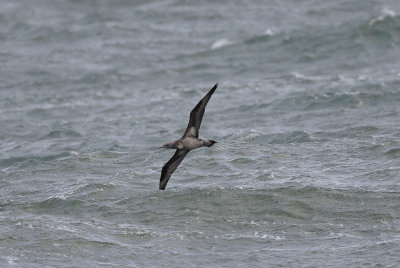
[[189, 141]]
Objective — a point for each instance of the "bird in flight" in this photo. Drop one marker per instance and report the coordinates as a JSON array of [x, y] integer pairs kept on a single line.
[[189, 141]]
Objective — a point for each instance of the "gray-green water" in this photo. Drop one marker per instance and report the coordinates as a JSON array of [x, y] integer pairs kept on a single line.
[[307, 115]]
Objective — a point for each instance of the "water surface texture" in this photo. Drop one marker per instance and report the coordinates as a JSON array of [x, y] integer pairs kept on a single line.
[[307, 115]]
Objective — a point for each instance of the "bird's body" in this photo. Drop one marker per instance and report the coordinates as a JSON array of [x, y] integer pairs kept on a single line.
[[189, 141], [186, 143]]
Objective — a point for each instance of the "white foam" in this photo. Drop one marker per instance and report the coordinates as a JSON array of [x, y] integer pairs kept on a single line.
[[221, 43], [11, 260], [74, 153], [305, 77], [269, 32], [385, 13], [256, 235]]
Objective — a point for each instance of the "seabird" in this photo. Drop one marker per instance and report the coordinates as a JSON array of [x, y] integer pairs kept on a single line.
[[189, 141]]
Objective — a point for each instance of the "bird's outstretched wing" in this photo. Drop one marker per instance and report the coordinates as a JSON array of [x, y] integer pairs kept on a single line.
[[196, 115], [171, 166]]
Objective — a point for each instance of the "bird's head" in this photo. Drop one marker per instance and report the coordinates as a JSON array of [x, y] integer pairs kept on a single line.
[[211, 143]]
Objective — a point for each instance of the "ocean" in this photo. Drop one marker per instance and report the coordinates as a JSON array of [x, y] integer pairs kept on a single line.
[[306, 171]]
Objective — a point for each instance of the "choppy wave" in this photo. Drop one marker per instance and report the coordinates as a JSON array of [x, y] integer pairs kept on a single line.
[[306, 119], [280, 204], [220, 43], [276, 138]]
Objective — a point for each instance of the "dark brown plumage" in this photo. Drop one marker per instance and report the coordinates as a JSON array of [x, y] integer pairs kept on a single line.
[[189, 141]]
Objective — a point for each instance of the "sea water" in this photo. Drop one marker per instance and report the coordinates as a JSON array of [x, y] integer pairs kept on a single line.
[[306, 171]]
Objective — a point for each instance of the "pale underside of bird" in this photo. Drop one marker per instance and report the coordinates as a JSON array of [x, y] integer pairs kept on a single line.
[[189, 141]]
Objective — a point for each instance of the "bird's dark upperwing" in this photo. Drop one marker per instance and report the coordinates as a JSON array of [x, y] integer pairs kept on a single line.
[[171, 166], [196, 115]]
